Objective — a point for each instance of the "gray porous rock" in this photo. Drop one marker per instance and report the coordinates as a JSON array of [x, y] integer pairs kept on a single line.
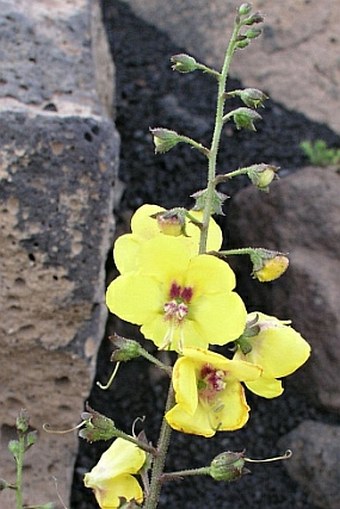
[[295, 61], [315, 463], [299, 216], [58, 161]]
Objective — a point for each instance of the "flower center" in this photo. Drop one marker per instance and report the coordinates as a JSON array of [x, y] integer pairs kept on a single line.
[[211, 381], [177, 307]]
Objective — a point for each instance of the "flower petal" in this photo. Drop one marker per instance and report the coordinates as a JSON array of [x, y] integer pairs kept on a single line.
[[143, 224], [135, 298], [278, 348], [266, 387], [209, 275], [231, 410], [185, 384], [196, 424], [165, 257], [122, 457], [126, 251], [110, 491], [221, 318]]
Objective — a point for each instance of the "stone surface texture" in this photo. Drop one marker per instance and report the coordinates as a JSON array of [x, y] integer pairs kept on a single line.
[[296, 61], [58, 159], [300, 215], [315, 463]]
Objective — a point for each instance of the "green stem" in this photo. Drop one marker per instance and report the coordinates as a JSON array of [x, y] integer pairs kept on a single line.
[[133, 440], [222, 79], [230, 175], [19, 458], [159, 462], [201, 148], [240, 251], [172, 476], [144, 353]]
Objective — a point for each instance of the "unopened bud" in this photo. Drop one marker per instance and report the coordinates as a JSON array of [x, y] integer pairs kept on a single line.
[[97, 426], [272, 269], [262, 175], [22, 421], [171, 222], [164, 139], [253, 33], [125, 349], [242, 44], [244, 118], [14, 447], [254, 18], [228, 466], [31, 439], [268, 265], [183, 63], [244, 9], [253, 97], [3, 484]]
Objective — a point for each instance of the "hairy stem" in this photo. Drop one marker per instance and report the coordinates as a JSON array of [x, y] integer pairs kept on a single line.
[[222, 80], [159, 462]]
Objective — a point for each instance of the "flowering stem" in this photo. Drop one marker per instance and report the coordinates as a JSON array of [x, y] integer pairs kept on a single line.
[[221, 98], [159, 461]]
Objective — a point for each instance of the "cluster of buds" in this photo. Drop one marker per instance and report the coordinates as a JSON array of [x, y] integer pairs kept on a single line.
[[246, 18]]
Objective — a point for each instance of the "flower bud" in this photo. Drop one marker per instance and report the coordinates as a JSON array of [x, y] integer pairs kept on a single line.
[[183, 63], [268, 265], [242, 44], [14, 447], [228, 466], [22, 421], [97, 426], [164, 139], [3, 484], [171, 222], [125, 349], [253, 97], [255, 18], [244, 9], [262, 175], [244, 118], [272, 269], [31, 439], [253, 33]]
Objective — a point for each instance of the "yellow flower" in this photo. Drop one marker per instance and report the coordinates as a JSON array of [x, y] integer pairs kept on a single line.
[[208, 392], [179, 299], [112, 477], [277, 348], [145, 227]]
